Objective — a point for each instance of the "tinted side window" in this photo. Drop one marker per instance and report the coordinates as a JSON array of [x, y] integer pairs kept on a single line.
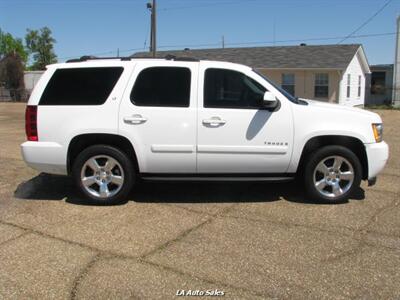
[[162, 86], [231, 89], [80, 86]]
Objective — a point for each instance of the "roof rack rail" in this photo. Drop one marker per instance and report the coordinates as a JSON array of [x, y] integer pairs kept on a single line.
[[127, 58], [177, 58], [90, 57]]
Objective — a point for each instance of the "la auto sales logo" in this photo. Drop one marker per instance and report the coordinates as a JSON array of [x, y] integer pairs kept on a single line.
[[200, 293]]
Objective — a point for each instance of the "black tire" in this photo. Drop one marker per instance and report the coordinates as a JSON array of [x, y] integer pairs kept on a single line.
[[313, 161], [127, 173]]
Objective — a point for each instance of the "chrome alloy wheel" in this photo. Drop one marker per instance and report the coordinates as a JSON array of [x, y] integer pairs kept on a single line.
[[333, 176], [102, 176]]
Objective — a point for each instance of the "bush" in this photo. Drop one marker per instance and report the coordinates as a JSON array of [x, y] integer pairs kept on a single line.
[[12, 76]]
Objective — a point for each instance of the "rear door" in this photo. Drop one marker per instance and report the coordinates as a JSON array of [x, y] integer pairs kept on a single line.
[[158, 115]]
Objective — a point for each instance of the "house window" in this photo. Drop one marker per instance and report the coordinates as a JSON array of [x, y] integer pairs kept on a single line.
[[348, 85], [288, 83], [359, 86], [321, 88]]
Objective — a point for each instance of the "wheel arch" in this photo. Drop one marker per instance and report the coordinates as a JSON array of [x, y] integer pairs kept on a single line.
[[82, 141], [352, 143]]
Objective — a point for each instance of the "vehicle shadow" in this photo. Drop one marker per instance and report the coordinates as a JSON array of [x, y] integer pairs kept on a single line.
[[257, 123], [54, 187]]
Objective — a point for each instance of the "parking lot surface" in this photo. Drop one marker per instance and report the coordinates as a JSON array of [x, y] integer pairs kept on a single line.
[[248, 240]]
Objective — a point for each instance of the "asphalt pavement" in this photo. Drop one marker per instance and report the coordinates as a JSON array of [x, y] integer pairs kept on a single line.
[[242, 240]]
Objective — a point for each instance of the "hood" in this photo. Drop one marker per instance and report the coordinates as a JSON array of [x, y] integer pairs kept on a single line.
[[343, 109]]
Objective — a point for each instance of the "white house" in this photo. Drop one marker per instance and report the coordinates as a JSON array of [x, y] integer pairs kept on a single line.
[[331, 73], [31, 78], [353, 82]]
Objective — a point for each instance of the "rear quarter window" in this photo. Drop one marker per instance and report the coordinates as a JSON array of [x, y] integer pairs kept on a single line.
[[80, 86]]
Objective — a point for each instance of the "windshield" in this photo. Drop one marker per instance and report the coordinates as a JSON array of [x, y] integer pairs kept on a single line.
[[285, 93]]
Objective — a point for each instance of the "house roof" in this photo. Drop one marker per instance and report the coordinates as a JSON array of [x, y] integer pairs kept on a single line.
[[382, 67], [281, 57]]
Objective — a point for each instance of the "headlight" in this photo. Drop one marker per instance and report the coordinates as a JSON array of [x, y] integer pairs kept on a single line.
[[378, 132]]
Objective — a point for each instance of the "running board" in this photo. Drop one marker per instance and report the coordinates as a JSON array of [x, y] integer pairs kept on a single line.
[[214, 178]]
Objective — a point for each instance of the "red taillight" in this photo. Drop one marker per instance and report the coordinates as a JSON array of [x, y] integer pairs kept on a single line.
[[31, 123]]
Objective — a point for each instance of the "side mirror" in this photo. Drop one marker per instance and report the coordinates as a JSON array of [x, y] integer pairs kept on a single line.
[[269, 100]]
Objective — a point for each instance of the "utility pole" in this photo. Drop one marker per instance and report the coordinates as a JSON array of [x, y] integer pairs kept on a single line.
[[152, 7], [396, 69], [223, 42]]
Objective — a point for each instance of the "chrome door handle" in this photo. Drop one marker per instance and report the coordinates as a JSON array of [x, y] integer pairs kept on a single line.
[[135, 119], [214, 121]]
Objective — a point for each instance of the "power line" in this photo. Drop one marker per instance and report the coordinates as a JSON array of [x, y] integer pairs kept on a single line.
[[263, 2], [205, 5], [276, 41], [313, 39], [190, 45], [367, 21], [101, 53], [241, 43]]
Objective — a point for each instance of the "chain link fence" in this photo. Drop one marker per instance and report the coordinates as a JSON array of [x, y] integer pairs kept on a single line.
[[14, 95]]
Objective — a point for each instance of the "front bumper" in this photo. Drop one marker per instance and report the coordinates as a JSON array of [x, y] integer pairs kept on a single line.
[[377, 154], [45, 157]]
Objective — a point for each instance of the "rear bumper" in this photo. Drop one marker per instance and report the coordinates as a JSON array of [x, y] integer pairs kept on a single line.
[[45, 157], [372, 181], [378, 154]]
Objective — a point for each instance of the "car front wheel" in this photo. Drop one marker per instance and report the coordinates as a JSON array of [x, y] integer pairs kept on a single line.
[[332, 174]]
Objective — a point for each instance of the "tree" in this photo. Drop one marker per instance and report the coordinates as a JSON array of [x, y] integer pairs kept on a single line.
[[10, 45], [12, 75], [40, 44]]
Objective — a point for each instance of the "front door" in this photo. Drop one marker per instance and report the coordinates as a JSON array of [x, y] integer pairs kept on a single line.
[[235, 133], [158, 113]]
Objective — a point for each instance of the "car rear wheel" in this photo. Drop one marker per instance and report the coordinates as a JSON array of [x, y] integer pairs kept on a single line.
[[104, 174], [332, 174]]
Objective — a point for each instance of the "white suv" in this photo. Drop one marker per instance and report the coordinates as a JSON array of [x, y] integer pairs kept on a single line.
[[108, 122]]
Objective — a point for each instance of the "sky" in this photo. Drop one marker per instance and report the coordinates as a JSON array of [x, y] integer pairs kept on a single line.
[[101, 27]]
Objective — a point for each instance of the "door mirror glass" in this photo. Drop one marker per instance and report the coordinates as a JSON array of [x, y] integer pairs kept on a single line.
[[269, 100]]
